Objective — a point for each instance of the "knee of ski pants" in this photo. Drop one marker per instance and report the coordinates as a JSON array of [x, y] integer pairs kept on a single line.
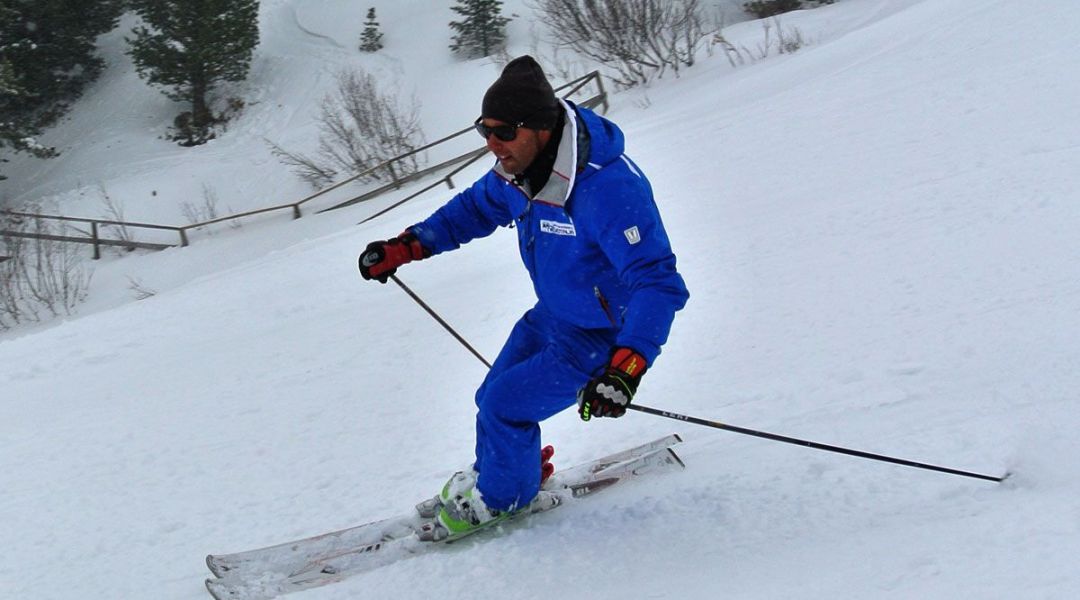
[[540, 370]]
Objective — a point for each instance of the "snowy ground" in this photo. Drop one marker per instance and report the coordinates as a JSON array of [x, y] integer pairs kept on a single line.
[[879, 236]]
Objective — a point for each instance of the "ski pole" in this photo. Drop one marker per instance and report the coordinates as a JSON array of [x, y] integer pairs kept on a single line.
[[724, 426], [440, 320], [810, 444]]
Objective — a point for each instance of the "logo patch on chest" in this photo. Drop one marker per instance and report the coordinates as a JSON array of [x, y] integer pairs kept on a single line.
[[632, 235], [557, 228]]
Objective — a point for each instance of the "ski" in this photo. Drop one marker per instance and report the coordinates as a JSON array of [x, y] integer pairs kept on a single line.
[[354, 561], [288, 556], [327, 558]]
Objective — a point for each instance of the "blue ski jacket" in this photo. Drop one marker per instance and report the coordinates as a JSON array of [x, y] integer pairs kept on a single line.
[[591, 238]]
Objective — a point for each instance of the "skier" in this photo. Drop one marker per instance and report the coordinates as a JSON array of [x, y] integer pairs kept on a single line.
[[602, 268]]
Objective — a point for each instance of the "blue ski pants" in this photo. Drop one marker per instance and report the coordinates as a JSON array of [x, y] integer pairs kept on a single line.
[[537, 374]]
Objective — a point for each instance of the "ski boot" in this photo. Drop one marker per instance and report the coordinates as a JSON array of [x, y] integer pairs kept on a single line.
[[461, 510]]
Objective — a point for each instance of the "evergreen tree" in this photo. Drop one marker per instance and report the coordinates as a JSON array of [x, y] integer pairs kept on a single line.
[[482, 30], [49, 47], [371, 39], [50, 44], [763, 9], [189, 46], [14, 133]]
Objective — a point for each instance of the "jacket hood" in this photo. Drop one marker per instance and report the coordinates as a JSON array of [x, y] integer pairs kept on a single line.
[[606, 142]]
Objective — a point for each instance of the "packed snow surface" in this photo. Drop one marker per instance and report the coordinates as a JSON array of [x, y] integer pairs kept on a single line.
[[879, 233]]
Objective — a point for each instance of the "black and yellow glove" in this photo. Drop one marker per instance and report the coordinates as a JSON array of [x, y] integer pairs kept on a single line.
[[608, 394]]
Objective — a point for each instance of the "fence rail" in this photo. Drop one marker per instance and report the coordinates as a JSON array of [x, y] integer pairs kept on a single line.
[[94, 237], [460, 161]]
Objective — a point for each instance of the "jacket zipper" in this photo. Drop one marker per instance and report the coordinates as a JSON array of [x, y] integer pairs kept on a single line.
[[525, 225], [604, 305]]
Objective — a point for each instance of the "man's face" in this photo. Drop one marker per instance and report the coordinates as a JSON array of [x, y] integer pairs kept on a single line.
[[517, 154]]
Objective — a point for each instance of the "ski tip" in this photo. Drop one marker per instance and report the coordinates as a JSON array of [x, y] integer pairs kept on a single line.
[[211, 587], [678, 438], [222, 591], [212, 565], [679, 460]]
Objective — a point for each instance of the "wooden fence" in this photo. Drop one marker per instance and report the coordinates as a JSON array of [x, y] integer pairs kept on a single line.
[[94, 236], [398, 178]]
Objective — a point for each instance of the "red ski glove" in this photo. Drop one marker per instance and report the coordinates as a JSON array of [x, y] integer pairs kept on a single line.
[[609, 394], [381, 259]]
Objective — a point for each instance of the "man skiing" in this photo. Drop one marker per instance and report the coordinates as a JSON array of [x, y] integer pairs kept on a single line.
[[591, 238]]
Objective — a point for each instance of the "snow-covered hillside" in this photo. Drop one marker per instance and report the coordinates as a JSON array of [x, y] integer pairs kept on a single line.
[[879, 236]]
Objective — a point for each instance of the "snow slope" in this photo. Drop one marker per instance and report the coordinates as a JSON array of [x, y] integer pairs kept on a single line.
[[878, 233]]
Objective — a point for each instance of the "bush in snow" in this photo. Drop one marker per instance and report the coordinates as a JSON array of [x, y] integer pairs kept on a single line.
[[785, 41], [39, 278], [360, 127], [635, 40]]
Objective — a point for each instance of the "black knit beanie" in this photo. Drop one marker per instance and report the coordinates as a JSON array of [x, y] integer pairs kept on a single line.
[[522, 94]]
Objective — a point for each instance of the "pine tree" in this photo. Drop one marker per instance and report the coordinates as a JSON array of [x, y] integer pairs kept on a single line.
[[371, 39], [763, 9], [482, 30], [18, 135], [50, 47], [189, 46], [26, 56]]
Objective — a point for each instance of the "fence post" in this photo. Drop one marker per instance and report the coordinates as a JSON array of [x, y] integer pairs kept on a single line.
[[393, 175], [295, 211], [600, 86], [97, 240], [183, 237]]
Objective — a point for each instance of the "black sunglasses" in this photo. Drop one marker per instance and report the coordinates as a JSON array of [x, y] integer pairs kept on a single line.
[[506, 133]]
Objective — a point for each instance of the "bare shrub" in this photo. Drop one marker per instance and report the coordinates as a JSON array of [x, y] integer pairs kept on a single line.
[[788, 41], [114, 211], [140, 291], [733, 53], [309, 169], [198, 213], [785, 41], [360, 127], [562, 63], [635, 39], [40, 277]]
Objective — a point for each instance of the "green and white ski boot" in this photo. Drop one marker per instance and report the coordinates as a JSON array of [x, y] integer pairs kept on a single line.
[[461, 510]]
